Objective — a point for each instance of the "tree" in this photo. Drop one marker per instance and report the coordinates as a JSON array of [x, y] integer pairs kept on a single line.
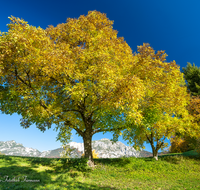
[[67, 151], [75, 75], [166, 96], [192, 75]]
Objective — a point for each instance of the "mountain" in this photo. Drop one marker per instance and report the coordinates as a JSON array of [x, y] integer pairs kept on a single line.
[[106, 149], [103, 147], [144, 153], [17, 149]]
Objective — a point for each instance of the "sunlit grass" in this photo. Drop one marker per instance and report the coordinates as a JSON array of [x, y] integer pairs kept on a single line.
[[173, 171]]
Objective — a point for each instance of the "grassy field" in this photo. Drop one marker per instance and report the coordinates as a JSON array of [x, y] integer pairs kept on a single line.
[[173, 171]]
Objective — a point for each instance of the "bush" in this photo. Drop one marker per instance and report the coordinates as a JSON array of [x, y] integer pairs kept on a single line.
[[184, 144], [178, 145]]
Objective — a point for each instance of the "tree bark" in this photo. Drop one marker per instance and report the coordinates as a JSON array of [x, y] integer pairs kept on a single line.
[[87, 140], [155, 150], [155, 153]]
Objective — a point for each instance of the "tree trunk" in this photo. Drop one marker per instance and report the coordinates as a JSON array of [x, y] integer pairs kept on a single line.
[[155, 155], [87, 140], [155, 152]]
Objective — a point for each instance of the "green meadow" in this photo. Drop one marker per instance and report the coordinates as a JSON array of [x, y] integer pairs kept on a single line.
[[172, 171]]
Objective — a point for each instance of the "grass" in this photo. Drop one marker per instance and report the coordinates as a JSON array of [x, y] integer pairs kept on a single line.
[[173, 171]]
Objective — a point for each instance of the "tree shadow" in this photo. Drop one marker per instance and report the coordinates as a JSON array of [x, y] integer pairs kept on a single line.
[[8, 159], [22, 177], [26, 178], [35, 161], [176, 158]]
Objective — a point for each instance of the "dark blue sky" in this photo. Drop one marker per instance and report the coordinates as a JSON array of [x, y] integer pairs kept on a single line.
[[172, 26]]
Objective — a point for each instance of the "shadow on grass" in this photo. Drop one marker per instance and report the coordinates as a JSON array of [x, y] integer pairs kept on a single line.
[[16, 177], [191, 154], [26, 178], [176, 158], [8, 159]]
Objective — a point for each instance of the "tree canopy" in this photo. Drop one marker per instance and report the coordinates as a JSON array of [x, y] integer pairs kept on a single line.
[[80, 75], [75, 75]]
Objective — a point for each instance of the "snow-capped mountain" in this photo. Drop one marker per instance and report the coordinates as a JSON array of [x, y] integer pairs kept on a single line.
[[103, 147], [17, 149]]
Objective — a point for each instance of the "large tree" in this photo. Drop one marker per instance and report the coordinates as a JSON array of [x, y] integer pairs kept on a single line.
[[165, 101], [75, 75]]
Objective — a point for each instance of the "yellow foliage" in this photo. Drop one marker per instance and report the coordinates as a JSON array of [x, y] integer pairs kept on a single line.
[[80, 70], [165, 96], [46, 64], [178, 145], [95, 155]]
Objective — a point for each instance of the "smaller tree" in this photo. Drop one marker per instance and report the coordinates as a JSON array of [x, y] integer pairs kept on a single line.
[[179, 141], [163, 108], [192, 75], [66, 153]]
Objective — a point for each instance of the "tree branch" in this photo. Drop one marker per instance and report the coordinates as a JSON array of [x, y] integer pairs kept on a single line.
[[107, 130], [74, 127], [17, 76], [148, 138], [57, 81]]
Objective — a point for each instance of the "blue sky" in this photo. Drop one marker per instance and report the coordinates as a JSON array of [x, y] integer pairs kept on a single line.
[[172, 26]]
